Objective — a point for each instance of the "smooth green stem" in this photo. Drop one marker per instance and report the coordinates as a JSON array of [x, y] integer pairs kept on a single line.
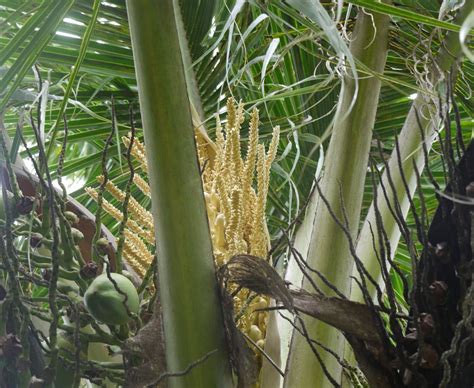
[[192, 315], [343, 187], [191, 82]]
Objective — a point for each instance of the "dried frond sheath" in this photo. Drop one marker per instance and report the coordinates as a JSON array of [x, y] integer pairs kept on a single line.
[[350, 317], [256, 274]]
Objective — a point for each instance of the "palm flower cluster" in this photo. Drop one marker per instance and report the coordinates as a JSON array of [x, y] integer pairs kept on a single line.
[[139, 232], [235, 190]]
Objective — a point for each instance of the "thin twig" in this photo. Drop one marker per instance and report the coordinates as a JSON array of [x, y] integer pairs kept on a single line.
[[186, 370]]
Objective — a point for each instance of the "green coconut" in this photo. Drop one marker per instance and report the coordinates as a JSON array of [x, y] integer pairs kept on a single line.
[[106, 304]]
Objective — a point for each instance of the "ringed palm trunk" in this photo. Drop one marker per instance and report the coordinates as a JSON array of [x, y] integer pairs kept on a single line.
[[192, 316], [345, 171]]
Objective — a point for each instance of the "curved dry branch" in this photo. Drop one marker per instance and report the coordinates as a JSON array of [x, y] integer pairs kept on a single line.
[[357, 321]]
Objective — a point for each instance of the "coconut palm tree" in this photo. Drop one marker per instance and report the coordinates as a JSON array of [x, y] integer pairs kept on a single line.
[[341, 79]]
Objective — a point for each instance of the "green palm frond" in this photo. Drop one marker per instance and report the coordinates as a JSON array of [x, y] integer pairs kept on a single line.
[[231, 45]]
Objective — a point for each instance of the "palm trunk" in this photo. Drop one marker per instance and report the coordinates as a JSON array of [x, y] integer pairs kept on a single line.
[[342, 185], [192, 316]]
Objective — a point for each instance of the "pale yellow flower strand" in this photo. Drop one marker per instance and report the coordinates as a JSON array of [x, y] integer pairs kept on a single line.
[[138, 151], [130, 252], [142, 185], [137, 211]]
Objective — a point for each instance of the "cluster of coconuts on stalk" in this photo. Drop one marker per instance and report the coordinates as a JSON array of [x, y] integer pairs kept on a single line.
[[106, 302], [110, 298]]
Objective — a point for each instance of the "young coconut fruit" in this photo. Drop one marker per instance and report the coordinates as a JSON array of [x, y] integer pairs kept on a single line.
[[106, 304]]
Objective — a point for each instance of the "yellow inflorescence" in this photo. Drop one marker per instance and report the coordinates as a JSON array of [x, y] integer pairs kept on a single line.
[[139, 230], [137, 211], [142, 185], [235, 190], [138, 151]]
